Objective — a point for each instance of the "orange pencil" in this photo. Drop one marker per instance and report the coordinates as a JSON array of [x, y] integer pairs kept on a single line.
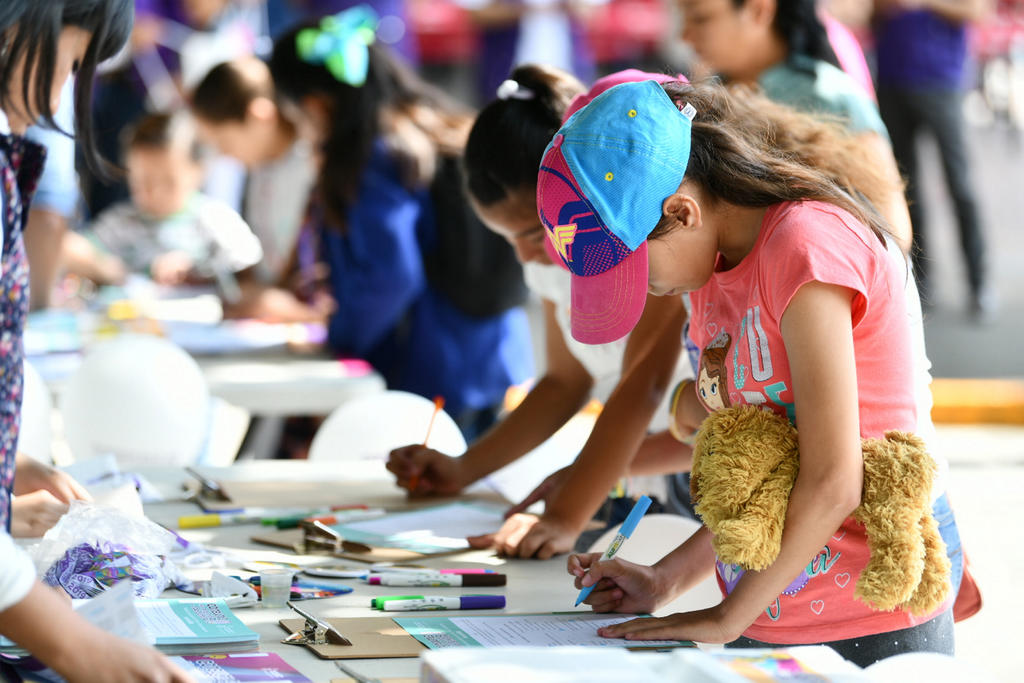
[[414, 480]]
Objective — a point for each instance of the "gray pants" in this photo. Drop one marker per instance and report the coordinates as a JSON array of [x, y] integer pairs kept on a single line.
[[939, 113], [935, 635]]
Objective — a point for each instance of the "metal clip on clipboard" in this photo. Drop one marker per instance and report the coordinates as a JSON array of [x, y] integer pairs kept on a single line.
[[208, 488], [318, 536], [315, 631]]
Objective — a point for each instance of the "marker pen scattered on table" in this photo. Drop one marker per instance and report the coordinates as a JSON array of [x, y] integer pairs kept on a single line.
[[378, 603], [432, 602], [437, 579], [216, 519], [340, 517], [290, 519]]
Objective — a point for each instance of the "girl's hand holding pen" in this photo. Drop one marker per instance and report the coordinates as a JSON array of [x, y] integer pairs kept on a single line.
[[622, 586], [424, 471]]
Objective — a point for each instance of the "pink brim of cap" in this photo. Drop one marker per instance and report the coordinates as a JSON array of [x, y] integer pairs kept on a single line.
[[607, 307]]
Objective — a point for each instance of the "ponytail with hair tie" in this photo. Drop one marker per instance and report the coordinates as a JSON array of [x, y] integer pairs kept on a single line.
[[511, 89]]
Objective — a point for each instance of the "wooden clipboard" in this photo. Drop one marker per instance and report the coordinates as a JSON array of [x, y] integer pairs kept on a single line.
[[320, 494], [292, 540], [371, 637]]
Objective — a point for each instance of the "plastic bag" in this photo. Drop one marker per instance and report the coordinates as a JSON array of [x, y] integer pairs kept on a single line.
[[93, 547]]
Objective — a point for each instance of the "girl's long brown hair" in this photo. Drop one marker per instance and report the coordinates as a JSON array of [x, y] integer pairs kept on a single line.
[[749, 151]]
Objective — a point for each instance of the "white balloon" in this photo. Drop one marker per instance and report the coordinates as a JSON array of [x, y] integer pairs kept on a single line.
[[369, 427], [34, 437], [140, 398]]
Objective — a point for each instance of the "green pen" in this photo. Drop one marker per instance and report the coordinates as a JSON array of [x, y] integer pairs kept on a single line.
[[378, 603]]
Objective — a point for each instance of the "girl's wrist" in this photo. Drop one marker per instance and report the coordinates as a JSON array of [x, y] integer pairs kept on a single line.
[[470, 467], [673, 412], [734, 617]]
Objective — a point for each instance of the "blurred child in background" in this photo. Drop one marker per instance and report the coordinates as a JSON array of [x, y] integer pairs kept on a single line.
[[169, 229], [236, 112], [782, 47], [422, 291]]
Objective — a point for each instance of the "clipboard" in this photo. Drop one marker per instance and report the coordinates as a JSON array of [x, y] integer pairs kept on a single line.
[[292, 539], [371, 637], [383, 637], [224, 496]]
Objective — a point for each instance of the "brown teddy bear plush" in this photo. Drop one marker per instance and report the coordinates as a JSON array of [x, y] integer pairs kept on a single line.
[[745, 462]]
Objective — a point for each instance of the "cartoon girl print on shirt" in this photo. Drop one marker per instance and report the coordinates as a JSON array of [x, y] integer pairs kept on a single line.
[[712, 384]]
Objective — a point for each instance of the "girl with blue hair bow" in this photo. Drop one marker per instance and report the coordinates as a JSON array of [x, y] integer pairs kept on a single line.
[[421, 289]]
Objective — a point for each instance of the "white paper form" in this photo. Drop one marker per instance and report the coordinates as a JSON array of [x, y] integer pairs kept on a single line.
[[114, 611], [548, 630], [443, 526]]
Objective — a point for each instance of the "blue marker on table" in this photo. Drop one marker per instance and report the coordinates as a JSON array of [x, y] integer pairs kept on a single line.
[[639, 508]]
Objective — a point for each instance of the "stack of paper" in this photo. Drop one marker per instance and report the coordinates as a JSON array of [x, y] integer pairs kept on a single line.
[[187, 626], [248, 667], [194, 625]]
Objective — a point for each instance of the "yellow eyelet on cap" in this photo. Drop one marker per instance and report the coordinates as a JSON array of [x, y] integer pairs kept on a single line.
[[609, 176], [632, 113]]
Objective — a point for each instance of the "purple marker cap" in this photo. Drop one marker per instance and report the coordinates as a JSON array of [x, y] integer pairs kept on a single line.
[[373, 580], [481, 602]]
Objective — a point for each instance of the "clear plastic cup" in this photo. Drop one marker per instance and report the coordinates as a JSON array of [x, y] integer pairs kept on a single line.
[[275, 586]]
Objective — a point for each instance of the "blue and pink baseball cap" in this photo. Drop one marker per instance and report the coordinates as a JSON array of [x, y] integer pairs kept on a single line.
[[600, 190]]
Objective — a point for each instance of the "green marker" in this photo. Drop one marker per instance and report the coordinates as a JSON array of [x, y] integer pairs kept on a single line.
[[378, 603]]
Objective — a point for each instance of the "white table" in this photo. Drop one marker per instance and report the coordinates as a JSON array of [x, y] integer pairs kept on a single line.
[[257, 373], [282, 385], [533, 585]]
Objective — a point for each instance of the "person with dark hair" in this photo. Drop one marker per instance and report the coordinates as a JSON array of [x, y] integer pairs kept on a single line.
[[169, 229], [682, 188], [235, 110], [422, 291], [632, 374], [782, 47], [43, 44], [922, 51]]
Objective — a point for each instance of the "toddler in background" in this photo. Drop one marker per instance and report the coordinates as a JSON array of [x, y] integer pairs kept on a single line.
[[169, 229]]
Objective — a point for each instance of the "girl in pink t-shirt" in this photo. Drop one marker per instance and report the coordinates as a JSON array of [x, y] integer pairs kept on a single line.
[[796, 306]]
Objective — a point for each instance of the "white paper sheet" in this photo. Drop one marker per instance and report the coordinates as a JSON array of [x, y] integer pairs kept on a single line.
[[444, 526], [548, 630]]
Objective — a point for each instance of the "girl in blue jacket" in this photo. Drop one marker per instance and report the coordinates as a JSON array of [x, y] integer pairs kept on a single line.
[[420, 289]]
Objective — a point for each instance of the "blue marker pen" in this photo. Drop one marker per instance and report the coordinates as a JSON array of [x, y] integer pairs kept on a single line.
[[639, 508]]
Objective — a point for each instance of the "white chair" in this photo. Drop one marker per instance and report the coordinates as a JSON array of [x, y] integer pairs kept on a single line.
[[369, 427], [654, 537], [140, 398], [35, 436]]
